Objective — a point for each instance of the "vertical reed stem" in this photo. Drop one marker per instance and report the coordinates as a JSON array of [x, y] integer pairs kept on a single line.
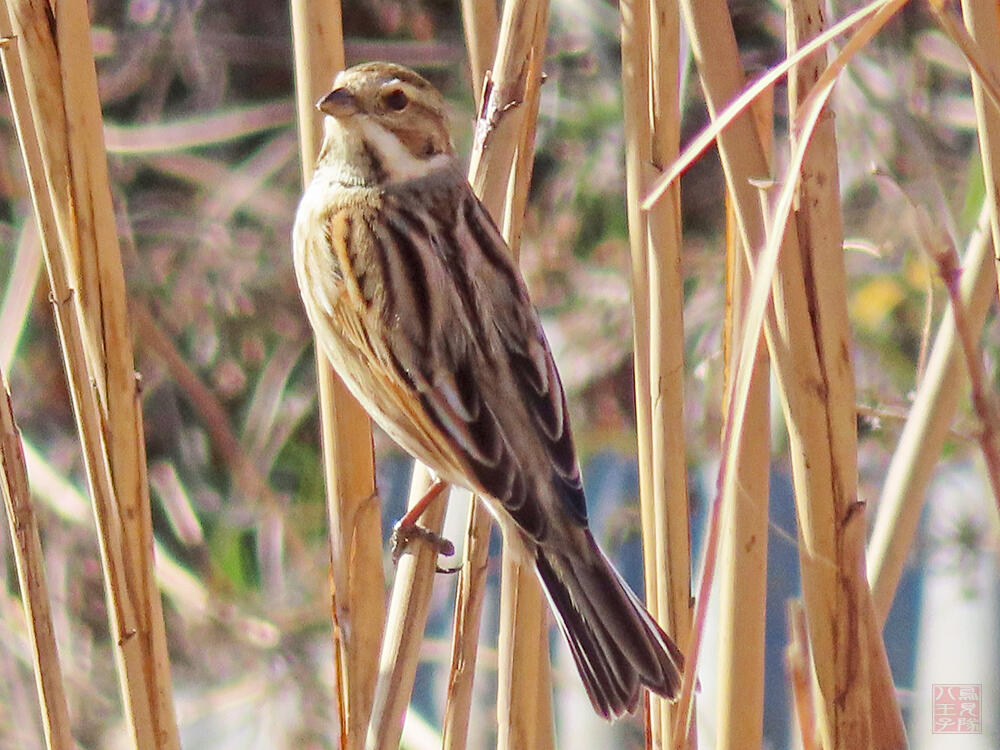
[[982, 19], [806, 333], [671, 533], [29, 560], [500, 173], [635, 44], [348, 456], [52, 85], [744, 517]]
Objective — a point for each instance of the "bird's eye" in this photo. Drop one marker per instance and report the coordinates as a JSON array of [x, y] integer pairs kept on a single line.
[[396, 100]]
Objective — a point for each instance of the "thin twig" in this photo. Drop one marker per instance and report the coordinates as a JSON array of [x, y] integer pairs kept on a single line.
[[983, 399], [927, 427], [29, 561], [878, 413]]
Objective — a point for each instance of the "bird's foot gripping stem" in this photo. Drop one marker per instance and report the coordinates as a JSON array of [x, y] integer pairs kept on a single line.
[[407, 530]]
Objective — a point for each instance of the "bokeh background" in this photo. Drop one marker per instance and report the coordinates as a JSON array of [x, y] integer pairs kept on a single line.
[[198, 105]]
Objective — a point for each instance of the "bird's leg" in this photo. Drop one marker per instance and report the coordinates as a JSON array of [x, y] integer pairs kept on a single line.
[[407, 528]]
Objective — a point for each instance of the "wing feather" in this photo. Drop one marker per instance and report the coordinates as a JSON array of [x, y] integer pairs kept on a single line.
[[484, 374]]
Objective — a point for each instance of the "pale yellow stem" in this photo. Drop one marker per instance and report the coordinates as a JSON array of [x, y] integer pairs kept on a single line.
[[348, 456]]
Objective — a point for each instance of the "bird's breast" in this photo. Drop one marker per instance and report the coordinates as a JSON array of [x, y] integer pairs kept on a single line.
[[343, 291]]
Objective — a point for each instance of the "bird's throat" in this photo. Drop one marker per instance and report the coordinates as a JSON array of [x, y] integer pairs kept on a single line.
[[363, 153]]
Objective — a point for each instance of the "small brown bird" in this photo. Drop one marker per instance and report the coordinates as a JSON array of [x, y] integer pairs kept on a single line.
[[417, 303]]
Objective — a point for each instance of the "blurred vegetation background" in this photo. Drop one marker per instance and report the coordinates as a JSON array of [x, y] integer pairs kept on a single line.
[[198, 106]]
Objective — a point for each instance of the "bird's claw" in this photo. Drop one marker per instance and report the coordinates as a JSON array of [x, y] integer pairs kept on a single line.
[[404, 535]]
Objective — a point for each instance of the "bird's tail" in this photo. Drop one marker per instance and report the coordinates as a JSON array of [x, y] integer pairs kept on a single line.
[[616, 644]]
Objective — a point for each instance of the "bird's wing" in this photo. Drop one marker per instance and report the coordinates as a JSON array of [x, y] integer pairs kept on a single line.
[[358, 355], [464, 335]]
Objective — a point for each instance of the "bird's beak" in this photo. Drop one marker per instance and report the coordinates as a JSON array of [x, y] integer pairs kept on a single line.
[[338, 103]]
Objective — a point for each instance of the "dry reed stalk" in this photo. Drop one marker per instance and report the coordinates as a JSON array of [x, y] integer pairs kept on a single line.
[[481, 26], [465, 632], [805, 351], [545, 733], [635, 46], [520, 175], [53, 89], [635, 96], [502, 115], [348, 456], [405, 623], [983, 399], [671, 536], [871, 18], [29, 560], [982, 19], [799, 676], [915, 458], [831, 526], [818, 218], [524, 698], [744, 516], [500, 173], [407, 617]]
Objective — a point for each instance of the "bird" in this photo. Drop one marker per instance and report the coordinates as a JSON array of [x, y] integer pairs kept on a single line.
[[417, 303]]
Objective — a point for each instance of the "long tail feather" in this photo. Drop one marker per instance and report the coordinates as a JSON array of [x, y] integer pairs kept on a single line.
[[616, 644]]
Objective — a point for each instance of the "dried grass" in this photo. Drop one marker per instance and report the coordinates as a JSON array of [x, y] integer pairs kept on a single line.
[[650, 68], [53, 87]]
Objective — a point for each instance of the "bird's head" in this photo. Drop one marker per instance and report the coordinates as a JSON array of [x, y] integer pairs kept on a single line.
[[385, 122]]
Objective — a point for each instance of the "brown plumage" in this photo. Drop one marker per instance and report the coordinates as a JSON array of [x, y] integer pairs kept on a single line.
[[415, 299]]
